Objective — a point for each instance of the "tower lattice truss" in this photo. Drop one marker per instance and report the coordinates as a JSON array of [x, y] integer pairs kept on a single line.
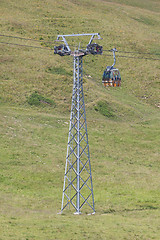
[[78, 188]]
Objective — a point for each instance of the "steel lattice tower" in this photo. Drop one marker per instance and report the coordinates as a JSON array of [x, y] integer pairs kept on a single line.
[[78, 187]]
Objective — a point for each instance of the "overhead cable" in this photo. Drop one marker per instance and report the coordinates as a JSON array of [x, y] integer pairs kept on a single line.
[[22, 38], [107, 50], [23, 45], [132, 57]]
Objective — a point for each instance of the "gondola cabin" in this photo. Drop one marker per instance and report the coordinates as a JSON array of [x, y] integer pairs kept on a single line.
[[111, 77]]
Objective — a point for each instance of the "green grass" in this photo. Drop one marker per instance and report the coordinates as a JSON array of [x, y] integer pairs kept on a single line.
[[125, 165], [123, 123]]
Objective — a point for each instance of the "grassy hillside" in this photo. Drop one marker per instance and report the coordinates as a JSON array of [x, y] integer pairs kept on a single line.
[[123, 123]]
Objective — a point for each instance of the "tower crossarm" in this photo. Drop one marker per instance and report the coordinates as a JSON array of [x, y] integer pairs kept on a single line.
[[63, 39]]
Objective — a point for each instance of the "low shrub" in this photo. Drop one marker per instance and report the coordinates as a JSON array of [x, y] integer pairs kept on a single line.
[[104, 108], [37, 100]]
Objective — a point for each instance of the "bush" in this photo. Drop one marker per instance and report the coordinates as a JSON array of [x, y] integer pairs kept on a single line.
[[104, 108], [37, 100]]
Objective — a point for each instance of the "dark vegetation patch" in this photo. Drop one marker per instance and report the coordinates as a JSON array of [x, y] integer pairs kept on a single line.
[[37, 100], [103, 108], [58, 70]]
